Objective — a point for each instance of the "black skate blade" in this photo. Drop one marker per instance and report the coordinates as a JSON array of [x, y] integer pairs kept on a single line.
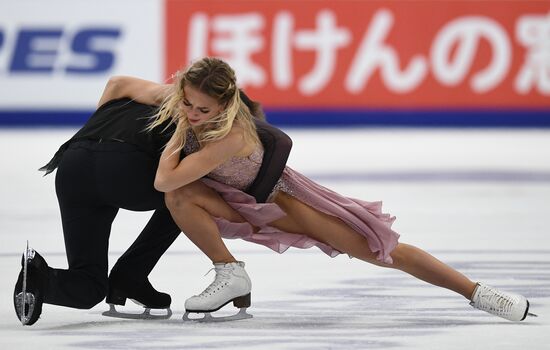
[[145, 315], [241, 315], [532, 315], [25, 302]]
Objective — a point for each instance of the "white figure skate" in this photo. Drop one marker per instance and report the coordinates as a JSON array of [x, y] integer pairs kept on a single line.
[[513, 307], [231, 284]]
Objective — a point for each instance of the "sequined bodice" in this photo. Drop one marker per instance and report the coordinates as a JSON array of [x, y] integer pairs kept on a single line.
[[238, 172]]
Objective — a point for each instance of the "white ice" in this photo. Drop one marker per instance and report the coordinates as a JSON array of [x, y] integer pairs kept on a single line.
[[477, 199]]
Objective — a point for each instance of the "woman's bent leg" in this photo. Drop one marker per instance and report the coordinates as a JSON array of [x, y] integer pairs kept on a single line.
[[192, 207]]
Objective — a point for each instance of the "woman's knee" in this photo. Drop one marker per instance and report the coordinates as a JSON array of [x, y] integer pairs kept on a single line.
[[189, 194], [402, 255], [175, 199]]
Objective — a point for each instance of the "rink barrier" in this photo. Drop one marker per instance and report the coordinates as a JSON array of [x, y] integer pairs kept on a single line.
[[329, 118]]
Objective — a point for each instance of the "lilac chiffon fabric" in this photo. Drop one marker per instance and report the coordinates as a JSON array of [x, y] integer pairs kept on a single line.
[[232, 177]]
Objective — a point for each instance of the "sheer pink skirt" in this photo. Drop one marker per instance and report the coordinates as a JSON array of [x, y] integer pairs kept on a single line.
[[366, 218]]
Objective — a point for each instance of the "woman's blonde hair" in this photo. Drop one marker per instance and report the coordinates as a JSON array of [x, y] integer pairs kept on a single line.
[[215, 78]]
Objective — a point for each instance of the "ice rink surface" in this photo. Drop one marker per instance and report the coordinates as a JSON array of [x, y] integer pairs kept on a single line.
[[477, 199]]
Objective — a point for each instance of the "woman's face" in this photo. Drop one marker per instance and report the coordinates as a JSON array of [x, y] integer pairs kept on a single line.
[[198, 106]]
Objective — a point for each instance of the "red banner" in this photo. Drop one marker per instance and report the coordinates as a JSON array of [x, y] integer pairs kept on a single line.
[[372, 53]]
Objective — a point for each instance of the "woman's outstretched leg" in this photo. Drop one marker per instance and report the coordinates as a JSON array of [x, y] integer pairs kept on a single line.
[[337, 234]]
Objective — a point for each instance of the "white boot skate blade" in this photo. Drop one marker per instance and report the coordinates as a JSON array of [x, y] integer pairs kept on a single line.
[[145, 315], [241, 315]]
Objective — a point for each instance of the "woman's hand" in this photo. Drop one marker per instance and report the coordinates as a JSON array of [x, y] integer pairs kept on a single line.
[[143, 91]]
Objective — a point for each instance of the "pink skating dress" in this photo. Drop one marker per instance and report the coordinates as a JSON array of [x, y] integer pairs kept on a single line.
[[234, 176]]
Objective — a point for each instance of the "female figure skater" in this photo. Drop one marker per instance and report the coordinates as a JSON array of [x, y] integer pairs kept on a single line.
[[109, 164], [216, 132]]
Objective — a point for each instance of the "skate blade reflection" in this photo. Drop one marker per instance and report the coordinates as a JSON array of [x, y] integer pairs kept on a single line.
[[241, 315], [145, 315]]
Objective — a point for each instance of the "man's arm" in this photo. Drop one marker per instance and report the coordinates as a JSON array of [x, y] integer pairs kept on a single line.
[[140, 90], [277, 146]]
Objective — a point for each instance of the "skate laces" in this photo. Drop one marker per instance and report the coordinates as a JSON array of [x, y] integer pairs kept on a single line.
[[494, 301], [222, 275]]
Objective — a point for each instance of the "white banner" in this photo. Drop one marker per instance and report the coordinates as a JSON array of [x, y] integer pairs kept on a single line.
[[60, 53]]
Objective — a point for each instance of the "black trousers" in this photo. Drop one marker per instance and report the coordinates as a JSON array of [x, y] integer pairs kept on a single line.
[[93, 181]]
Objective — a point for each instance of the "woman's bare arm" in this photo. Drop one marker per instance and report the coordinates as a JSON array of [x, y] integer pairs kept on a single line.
[[173, 173]]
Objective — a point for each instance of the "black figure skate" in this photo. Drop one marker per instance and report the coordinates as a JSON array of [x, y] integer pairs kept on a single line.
[[30, 287], [143, 294]]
